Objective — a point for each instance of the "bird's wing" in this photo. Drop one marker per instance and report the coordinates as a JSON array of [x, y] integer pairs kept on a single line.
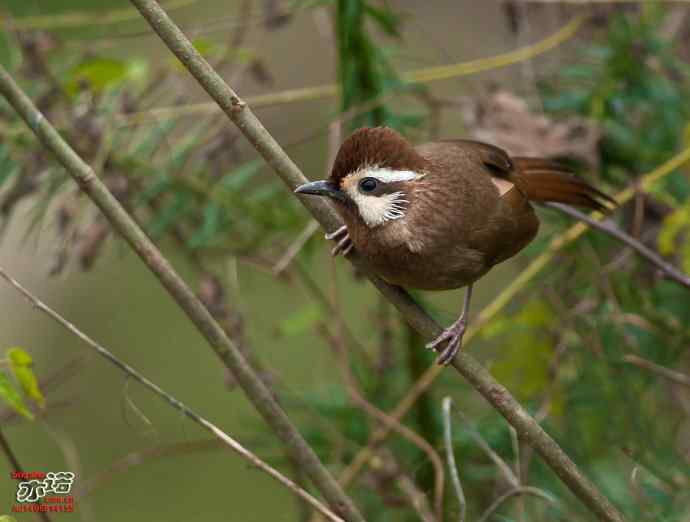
[[537, 179], [502, 168]]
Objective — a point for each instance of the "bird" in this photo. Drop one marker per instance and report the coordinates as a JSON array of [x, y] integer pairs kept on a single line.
[[440, 215]]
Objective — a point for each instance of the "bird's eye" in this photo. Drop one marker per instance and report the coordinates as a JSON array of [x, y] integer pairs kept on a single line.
[[368, 184]]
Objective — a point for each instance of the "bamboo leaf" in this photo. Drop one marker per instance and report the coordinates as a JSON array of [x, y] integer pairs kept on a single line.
[[103, 73], [212, 224], [386, 19], [300, 321], [21, 365], [170, 214], [240, 176], [9, 392], [671, 227]]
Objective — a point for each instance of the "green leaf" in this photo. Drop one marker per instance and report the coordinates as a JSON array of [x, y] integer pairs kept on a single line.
[[155, 137], [386, 19], [171, 213], [21, 365], [158, 187], [10, 55], [685, 256], [213, 221], [308, 4], [240, 176], [527, 376], [103, 73], [206, 47], [300, 321], [671, 227], [8, 167], [9, 392]]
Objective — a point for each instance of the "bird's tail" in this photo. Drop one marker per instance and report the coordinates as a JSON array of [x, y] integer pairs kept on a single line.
[[547, 180]]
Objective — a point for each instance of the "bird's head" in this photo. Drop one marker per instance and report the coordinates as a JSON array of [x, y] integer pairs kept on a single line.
[[373, 177]]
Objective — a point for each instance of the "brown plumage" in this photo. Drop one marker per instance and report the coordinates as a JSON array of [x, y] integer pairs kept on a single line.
[[438, 216]]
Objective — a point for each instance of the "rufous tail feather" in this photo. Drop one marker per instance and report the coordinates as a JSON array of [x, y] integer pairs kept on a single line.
[[547, 180]]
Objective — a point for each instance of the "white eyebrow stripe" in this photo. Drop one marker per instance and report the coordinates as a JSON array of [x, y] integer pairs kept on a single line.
[[389, 175]]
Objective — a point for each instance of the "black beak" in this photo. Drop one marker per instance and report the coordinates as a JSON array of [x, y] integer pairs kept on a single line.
[[321, 188]]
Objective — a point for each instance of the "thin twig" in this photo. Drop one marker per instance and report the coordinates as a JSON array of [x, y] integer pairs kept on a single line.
[[84, 18], [223, 437], [417, 498], [426, 75], [501, 464], [515, 441], [520, 490], [611, 229], [450, 457], [405, 432], [140, 457], [295, 247], [517, 468], [666, 373], [386, 466], [228, 352]]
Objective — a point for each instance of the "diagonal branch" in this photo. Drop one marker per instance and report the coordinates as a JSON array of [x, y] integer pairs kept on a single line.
[[501, 301], [610, 228], [238, 111], [667, 373], [227, 351], [425, 75], [223, 437]]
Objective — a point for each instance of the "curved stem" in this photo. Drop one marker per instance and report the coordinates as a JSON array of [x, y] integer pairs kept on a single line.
[[521, 490], [450, 457]]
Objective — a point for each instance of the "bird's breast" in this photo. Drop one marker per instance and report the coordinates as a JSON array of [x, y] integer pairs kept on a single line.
[[405, 258]]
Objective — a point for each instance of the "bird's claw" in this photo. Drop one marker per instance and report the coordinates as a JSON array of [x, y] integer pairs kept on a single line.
[[344, 243], [452, 336]]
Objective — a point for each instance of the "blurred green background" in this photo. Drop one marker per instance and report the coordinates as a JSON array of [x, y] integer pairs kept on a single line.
[[607, 415]]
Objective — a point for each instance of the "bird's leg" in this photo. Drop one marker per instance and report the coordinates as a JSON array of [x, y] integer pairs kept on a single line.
[[453, 334], [343, 245]]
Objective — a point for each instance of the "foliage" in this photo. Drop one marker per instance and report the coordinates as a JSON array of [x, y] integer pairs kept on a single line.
[[20, 366], [364, 72], [560, 348], [189, 183], [633, 84]]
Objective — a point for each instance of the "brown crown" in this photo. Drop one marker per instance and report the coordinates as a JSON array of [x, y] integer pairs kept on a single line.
[[380, 146]]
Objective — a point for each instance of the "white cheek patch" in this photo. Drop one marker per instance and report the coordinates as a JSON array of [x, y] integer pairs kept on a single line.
[[376, 210]]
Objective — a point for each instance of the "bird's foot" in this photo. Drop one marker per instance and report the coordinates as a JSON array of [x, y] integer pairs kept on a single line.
[[452, 336], [344, 243]]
